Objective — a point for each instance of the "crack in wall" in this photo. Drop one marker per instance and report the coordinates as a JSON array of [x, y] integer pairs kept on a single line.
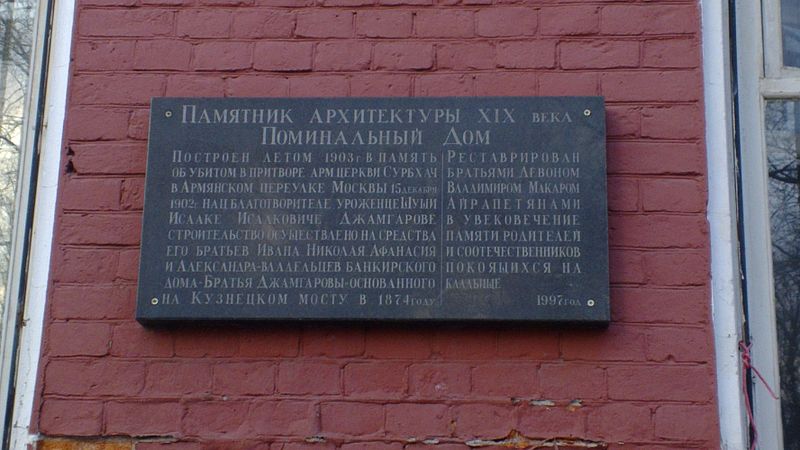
[[517, 440]]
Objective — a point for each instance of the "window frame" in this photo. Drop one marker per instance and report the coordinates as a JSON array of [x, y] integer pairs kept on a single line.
[[761, 77]]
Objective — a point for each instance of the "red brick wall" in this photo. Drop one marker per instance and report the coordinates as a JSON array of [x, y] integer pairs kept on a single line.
[[647, 381]]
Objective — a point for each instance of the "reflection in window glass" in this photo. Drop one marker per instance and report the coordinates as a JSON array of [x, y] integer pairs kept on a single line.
[[782, 120], [790, 28], [16, 35]]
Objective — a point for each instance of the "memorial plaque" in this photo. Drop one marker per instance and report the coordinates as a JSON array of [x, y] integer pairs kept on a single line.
[[480, 209]]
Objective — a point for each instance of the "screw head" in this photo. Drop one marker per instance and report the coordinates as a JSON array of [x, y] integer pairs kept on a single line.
[[168, 114], [153, 301], [587, 112], [590, 302]]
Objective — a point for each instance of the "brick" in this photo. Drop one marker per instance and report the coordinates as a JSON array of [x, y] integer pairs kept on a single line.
[[256, 85], [144, 445], [91, 302], [672, 122], [403, 56], [685, 422], [195, 86], [674, 306], [439, 380], [460, 344], [282, 418], [447, 23], [649, 19], [307, 446], [673, 195], [223, 56], [318, 86], [551, 421], [623, 121], [569, 20], [621, 421], [375, 379], [74, 265], [162, 54], [173, 379], [623, 194], [672, 53], [104, 55], [204, 23], [526, 54], [516, 379], [285, 3], [465, 56], [417, 420], [324, 24], [568, 83], [506, 21], [484, 421], [206, 342], [406, 2], [283, 56], [90, 194], [103, 159], [263, 23], [244, 378], [95, 378], [348, 3], [679, 344], [662, 158], [617, 343], [78, 339], [333, 341], [143, 418], [380, 85], [567, 381], [394, 343], [71, 417], [211, 419], [651, 86], [342, 56], [352, 419], [275, 342], [658, 231], [384, 23], [128, 266], [116, 89], [139, 124], [442, 85], [506, 83], [529, 344], [132, 195], [100, 229], [372, 445], [308, 378], [626, 267], [125, 22], [131, 340], [661, 382], [604, 54], [676, 268]]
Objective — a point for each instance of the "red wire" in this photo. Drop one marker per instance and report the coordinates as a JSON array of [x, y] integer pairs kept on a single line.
[[748, 365]]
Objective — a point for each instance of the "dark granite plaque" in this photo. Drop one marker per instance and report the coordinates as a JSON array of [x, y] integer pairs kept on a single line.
[[483, 209]]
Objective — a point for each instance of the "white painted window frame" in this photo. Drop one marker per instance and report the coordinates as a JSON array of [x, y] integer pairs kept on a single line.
[[42, 223], [21, 228], [761, 77]]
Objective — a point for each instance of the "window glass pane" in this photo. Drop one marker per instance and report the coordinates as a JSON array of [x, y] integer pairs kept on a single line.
[[16, 36], [790, 27], [782, 123]]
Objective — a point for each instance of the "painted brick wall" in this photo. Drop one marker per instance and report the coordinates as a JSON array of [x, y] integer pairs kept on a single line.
[[647, 382]]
